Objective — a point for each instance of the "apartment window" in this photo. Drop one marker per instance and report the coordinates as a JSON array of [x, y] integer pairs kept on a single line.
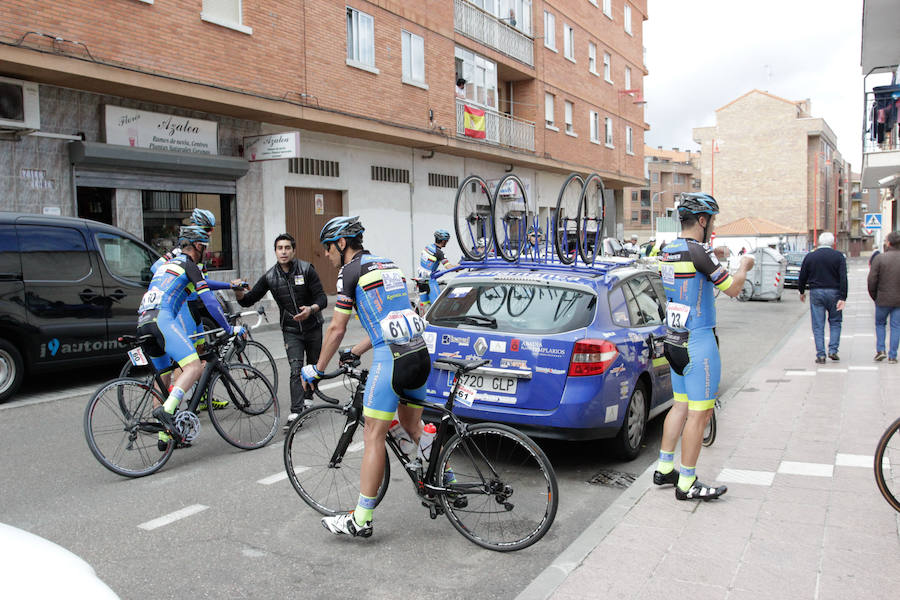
[[595, 127], [645, 217], [627, 18], [548, 109], [413, 58], [360, 38], [227, 13], [569, 42], [517, 13], [607, 67], [634, 216], [550, 30], [594, 2], [570, 127], [609, 133], [592, 58], [654, 177], [481, 77], [678, 179], [634, 196], [629, 140], [627, 78], [607, 8]]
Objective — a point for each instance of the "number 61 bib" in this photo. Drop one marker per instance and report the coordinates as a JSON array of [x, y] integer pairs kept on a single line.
[[402, 326]]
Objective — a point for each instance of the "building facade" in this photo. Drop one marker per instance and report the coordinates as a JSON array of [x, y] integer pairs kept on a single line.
[[669, 173], [147, 109], [767, 156]]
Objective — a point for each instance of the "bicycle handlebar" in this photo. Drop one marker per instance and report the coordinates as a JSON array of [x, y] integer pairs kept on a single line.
[[350, 370]]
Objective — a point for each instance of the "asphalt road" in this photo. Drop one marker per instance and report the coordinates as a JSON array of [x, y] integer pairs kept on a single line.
[[248, 537]]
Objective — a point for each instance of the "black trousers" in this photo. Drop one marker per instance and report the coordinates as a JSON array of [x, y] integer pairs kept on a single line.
[[302, 348]]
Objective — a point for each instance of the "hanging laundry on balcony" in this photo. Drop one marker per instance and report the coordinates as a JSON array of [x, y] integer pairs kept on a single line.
[[473, 122]]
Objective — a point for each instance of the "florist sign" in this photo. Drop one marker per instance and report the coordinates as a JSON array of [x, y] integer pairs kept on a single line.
[[157, 131], [270, 147]]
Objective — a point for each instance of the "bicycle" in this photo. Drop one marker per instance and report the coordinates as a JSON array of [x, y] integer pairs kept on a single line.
[[122, 435], [709, 434], [887, 465], [494, 484]]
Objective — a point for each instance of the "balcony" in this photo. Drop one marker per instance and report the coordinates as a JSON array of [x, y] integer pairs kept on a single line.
[[487, 29], [500, 129]]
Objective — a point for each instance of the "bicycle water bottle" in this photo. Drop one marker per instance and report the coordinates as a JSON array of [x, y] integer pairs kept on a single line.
[[407, 446], [425, 441]]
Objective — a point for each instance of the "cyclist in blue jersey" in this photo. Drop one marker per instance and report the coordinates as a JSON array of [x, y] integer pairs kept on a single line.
[[172, 283], [431, 260], [375, 286], [690, 273]]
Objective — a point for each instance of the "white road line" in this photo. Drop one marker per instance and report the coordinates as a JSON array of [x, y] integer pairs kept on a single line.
[[187, 511], [794, 373], [831, 370], [854, 460], [279, 476], [861, 368], [746, 476], [788, 467], [356, 447]]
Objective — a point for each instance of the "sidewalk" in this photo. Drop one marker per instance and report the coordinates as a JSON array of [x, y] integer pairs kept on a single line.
[[802, 518]]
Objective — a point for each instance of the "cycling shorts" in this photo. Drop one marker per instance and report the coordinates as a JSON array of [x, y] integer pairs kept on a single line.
[[428, 296], [187, 322], [696, 367], [171, 342], [396, 370]]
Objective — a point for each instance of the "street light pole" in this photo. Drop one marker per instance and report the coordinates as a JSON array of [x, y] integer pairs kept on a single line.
[[816, 198], [653, 214]]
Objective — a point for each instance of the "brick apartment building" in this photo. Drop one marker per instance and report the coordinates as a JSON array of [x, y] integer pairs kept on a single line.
[[769, 157], [124, 87], [670, 172]]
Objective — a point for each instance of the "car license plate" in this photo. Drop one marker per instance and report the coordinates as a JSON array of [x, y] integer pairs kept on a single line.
[[486, 383]]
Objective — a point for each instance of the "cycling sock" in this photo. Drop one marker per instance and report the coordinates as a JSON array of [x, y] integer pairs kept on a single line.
[[666, 462], [364, 509], [174, 399], [686, 477], [164, 437]]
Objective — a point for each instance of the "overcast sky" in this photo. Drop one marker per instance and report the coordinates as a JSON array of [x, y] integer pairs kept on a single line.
[[702, 54]]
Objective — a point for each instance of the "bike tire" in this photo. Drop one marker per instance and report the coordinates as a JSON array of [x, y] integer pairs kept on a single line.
[[329, 490], [483, 306], [472, 213], [256, 355], [567, 213], [520, 301], [887, 465], [125, 443], [510, 220], [518, 467], [709, 434], [250, 419], [591, 215]]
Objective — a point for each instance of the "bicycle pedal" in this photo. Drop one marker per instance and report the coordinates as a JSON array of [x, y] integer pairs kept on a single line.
[[460, 502]]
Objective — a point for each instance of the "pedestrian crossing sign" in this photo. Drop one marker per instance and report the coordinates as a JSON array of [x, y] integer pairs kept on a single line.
[[872, 221]]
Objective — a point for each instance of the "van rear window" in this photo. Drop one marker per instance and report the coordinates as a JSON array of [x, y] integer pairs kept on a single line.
[[9, 251]]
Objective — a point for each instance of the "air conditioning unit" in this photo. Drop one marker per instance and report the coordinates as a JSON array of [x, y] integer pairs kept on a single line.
[[19, 104]]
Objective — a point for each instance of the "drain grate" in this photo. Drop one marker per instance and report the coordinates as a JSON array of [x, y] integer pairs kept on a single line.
[[612, 479]]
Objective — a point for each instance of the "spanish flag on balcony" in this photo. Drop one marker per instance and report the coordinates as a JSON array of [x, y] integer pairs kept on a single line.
[[473, 121]]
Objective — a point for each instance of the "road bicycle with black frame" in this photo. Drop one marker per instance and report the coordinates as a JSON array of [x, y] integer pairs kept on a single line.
[[494, 484], [122, 434], [887, 465]]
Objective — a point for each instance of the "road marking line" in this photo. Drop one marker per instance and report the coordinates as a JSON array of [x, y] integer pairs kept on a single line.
[[861, 368], [746, 476], [356, 446], [187, 511], [279, 476], [795, 372], [831, 370], [788, 467], [853, 460]]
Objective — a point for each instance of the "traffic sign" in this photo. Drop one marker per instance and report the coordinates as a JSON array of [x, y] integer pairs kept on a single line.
[[872, 221]]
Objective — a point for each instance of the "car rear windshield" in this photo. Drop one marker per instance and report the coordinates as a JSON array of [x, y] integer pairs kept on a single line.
[[514, 307], [794, 258]]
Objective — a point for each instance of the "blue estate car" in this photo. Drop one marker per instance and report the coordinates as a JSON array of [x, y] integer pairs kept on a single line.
[[576, 353]]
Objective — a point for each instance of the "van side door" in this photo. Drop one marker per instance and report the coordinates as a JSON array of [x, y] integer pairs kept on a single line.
[[12, 290]]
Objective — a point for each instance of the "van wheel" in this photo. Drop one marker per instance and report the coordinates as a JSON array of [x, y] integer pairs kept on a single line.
[[12, 370], [627, 443]]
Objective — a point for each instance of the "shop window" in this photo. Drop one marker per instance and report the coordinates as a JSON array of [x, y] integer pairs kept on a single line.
[[53, 253], [166, 212], [124, 258]]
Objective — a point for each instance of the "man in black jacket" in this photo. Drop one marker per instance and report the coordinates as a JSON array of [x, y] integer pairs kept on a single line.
[[298, 292], [824, 272]]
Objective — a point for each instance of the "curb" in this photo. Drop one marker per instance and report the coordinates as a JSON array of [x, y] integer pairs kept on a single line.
[[547, 581]]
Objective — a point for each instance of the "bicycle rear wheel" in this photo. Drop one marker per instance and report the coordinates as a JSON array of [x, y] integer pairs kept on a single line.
[[329, 484], [120, 431], [709, 434], [472, 218], [565, 226], [250, 419], [256, 355], [591, 214], [509, 485], [511, 216], [887, 465]]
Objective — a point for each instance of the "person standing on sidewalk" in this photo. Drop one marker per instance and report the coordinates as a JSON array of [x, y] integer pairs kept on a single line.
[[884, 288], [824, 272], [690, 270], [298, 292]]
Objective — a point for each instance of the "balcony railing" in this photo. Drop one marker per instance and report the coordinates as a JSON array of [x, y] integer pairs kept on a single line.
[[484, 27], [499, 129], [882, 132]]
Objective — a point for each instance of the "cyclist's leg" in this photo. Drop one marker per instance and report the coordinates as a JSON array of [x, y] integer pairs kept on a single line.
[[181, 351], [409, 376], [673, 425]]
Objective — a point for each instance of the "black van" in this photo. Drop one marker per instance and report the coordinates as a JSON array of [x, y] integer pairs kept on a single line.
[[68, 289]]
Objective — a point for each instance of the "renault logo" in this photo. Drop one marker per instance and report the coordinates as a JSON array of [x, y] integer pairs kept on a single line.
[[480, 346]]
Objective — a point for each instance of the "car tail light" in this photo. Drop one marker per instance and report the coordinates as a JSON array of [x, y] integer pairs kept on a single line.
[[592, 357]]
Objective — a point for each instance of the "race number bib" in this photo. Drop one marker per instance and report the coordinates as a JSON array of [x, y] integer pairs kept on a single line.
[[668, 273], [137, 357], [465, 396], [677, 315], [402, 326], [152, 299]]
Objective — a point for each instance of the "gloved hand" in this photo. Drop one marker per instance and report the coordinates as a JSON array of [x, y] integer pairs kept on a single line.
[[238, 331], [310, 374], [346, 356]]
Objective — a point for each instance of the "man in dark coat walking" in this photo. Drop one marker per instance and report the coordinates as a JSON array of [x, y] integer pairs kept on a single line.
[[824, 272], [884, 288]]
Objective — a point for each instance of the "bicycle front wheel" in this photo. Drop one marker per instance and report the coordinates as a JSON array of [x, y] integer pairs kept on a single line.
[[249, 417], [472, 218], [511, 215], [508, 485], [887, 465], [322, 464], [591, 214], [256, 355], [565, 224], [709, 434], [120, 431]]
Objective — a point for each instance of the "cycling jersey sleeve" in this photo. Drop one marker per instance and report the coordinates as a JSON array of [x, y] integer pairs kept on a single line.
[[218, 285], [205, 294], [705, 262], [346, 289]]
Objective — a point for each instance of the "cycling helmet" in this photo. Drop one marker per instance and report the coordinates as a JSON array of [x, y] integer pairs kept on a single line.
[[697, 204], [441, 235], [341, 227], [203, 218], [190, 234]]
